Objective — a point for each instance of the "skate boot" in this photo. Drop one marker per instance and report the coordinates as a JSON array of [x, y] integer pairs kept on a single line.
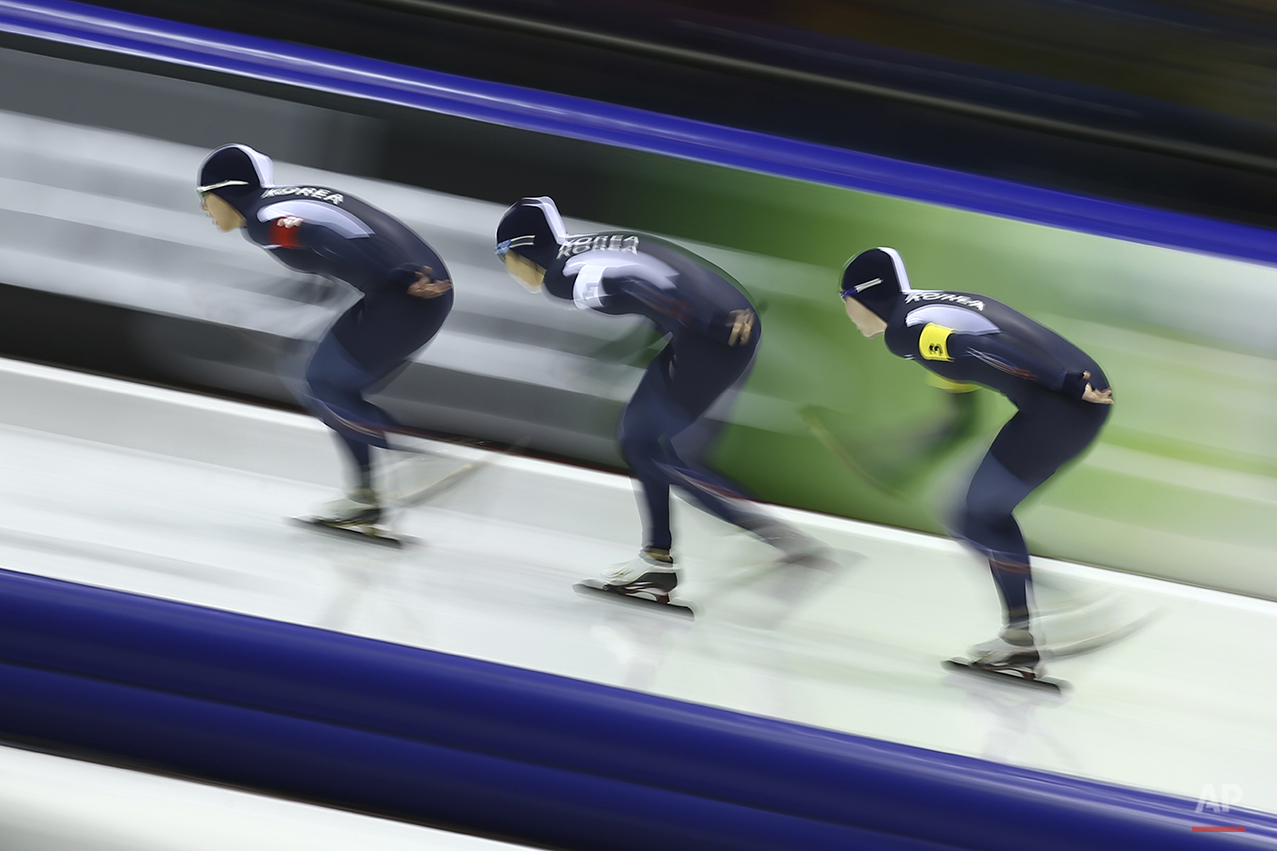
[[649, 577], [355, 516], [359, 507], [1013, 652]]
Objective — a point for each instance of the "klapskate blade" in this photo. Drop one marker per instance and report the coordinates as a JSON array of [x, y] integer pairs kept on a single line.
[[1046, 683], [441, 485], [675, 609], [380, 539], [450, 480], [1102, 641]]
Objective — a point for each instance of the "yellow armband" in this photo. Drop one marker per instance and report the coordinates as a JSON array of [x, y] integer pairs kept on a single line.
[[934, 342]]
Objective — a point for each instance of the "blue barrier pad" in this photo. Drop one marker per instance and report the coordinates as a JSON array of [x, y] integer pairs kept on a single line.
[[442, 739], [328, 71]]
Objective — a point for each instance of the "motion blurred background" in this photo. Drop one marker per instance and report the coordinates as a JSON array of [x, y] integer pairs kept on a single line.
[[108, 265]]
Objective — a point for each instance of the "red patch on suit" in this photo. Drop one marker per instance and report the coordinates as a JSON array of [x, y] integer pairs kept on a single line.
[[286, 232]]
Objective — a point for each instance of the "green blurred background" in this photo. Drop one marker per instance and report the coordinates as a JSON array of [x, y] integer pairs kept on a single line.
[[1182, 482]]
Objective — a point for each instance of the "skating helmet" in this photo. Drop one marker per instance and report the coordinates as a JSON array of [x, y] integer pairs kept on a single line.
[[876, 278], [532, 229], [235, 173]]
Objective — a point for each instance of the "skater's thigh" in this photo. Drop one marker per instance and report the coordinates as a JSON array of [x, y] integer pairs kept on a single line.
[[380, 333], [332, 368], [1047, 432], [993, 493], [651, 413], [702, 371], [392, 328]]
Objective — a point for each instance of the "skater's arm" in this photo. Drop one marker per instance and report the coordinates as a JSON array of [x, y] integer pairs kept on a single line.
[[596, 285], [360, 251], [366, 253], [732, 327], [938, 343]]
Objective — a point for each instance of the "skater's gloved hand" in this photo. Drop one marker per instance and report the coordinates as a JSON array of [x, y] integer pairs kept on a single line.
[[1099, 397], [742, 324], [425, 286], [1081, 389]]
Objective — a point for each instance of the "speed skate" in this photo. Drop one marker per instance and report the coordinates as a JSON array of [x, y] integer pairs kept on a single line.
[[1017, 675], [369, 533], [648, 579], [613, 594]]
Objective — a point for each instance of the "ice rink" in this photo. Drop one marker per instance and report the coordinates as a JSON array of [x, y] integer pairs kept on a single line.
[[184, 497]]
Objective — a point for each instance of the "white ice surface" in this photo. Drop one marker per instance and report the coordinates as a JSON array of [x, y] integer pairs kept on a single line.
[[1186, 703]]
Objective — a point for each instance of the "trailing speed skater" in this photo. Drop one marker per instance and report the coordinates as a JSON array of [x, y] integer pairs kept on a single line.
[[1062, 398]]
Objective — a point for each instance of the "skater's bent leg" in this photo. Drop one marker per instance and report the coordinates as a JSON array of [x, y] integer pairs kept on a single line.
[[1012, 581], [654, 499], [706, 374], [336, 384], [644, 429], [712, 492], [359, 456], [987, 524], [1047, 432], [678, 388]]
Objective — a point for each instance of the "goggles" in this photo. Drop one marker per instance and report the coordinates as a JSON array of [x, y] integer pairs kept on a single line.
[[855, 291], [505, 245], [203, 191]]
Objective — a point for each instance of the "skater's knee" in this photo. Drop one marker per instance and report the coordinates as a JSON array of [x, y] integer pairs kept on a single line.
[[993, 496], [641, 448], [319, 387], [989, 526], [330, 397], [983, 509], [990, 530], [317, 372], [335, 386]]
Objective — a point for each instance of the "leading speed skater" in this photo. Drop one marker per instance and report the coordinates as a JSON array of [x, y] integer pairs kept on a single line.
[[406, 296]]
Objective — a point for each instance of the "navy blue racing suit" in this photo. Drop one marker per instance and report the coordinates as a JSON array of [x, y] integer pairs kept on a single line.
[[713, 333], [973, 339], [321, 231]]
